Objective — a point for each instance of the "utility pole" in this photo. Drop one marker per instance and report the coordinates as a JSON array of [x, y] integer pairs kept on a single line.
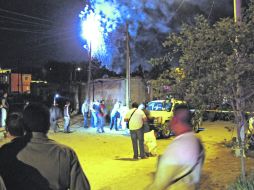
[[241, 122], [128, 63], [89, 72], [237, 11]]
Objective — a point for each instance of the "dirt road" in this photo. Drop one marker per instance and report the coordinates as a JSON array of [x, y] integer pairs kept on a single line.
[[106, 158]]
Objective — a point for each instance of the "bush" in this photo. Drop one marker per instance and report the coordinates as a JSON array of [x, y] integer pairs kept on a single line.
[[241, 184]]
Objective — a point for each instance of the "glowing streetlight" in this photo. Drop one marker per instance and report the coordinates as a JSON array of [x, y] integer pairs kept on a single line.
[[55, 97]]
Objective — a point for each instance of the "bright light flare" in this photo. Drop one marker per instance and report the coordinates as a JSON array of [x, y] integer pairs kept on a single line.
[[97, 21], [92, 32]]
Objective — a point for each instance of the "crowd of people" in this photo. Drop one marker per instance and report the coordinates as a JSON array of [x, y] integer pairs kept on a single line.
[[33, 161], [98, 113]]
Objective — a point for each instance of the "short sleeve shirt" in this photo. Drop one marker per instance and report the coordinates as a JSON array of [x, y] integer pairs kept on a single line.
[[136, 121]]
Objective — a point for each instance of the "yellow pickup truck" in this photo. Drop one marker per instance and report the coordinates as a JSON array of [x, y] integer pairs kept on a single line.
[[161, 113]]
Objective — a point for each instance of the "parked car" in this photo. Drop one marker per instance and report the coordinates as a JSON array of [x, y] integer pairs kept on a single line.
[[161, 113]]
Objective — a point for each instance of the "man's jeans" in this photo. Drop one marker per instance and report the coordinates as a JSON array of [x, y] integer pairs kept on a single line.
[[113, 121], [137, 137], [94, 119], [101, 124], [85, 119], [66, 124]]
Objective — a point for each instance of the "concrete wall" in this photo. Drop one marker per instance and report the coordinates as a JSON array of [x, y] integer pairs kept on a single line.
[[113, 89]]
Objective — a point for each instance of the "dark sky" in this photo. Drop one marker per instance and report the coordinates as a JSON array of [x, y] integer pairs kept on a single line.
[[32, 41], [54, 35]]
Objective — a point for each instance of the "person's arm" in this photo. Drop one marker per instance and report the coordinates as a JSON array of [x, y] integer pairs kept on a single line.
[[91, 107], [78, 179], [169, 168], [164, 177], [127, 116], [83, 109], [4, 103], [2, 185], [144, 118]]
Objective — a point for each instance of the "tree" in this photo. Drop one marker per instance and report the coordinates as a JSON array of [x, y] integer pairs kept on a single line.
[[218, 65]]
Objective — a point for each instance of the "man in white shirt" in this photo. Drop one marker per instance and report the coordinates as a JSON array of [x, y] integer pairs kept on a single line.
[[67, 117], [136, 119], [179, 168]]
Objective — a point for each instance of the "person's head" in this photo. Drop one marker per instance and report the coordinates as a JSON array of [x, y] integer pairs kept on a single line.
[[182, 114], [15, 124], [5, 94], [102, 101], [36, 118], [67, 103], [141, 107], [181, 120], [134, 105]]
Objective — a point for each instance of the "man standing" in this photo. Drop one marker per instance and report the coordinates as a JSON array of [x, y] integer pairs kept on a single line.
[[4, 109], [85, 110], [180, 165], [67, 117], [101, 116], [55, 114], [94, 119], [136, 118], [38, 163], [114, 116]]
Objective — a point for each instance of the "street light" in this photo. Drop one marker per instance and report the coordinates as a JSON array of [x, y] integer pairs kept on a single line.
[[55, 97], [96, 23], [78, 69]]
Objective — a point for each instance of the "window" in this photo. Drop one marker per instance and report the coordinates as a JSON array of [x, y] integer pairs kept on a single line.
[[168, 106], [155, 106]]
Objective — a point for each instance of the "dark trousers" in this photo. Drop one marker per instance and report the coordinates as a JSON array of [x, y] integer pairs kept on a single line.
[[137, 137], [85, 120], [114, 122], [54, 125]]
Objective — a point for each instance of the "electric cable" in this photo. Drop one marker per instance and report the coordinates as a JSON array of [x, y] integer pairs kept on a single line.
[[180, 5], [25, 15], [210, 12], [21, 30], [24, 21]]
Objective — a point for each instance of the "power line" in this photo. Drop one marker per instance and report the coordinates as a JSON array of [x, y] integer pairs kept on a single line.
[[20, 30], [24, 15], [52, 42], [210, 10], [29, 51], [23, 21], [180, 5]]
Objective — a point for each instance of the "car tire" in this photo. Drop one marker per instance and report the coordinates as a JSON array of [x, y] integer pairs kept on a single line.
[[197, 124], [165, 132]]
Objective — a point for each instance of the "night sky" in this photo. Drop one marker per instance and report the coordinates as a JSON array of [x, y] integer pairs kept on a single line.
[[35, 41], [54, 35]]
